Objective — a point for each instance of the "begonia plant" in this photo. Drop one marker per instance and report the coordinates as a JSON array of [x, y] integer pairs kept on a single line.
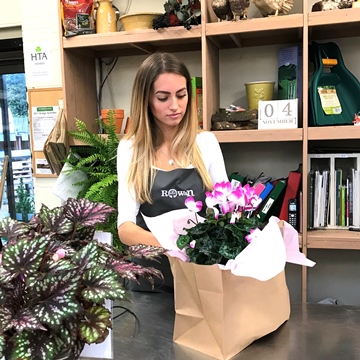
[[54, 280], [228, 226]]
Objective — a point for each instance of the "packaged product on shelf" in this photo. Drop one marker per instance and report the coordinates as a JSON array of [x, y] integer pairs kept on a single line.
[[77, 17]]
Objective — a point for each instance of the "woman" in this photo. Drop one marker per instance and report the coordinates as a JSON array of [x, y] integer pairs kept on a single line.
[[164, 157]]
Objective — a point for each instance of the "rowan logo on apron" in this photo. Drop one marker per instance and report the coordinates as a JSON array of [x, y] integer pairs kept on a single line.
[[172, 193]]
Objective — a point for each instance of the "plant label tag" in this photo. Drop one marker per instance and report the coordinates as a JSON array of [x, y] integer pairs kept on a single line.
[[278, 114]]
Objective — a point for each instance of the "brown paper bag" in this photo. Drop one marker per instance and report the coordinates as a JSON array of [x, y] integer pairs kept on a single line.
[[56, 146], [220, 314]]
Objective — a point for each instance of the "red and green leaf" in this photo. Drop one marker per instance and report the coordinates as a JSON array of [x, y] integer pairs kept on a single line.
[[34, 345], [25, 320], [87, 257], [101, 284], [55, 221], [2, 345], [145, 251], [11, 229], [24, 257], [87, 213], [95, 329], [5, 318], [55, 299]]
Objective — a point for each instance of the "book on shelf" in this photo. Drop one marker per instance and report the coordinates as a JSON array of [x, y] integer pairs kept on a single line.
[[236, 179], [268, 206], [300, 211], [268, 187], [291, 192], [196, 85], [317, 198], [338, 185], [311, 199], [356, 198], [327, 201], [342, 204], [259, 188], [350, 180]]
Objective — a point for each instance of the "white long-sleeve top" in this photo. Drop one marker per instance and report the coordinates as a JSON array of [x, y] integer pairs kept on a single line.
[[128, 207]]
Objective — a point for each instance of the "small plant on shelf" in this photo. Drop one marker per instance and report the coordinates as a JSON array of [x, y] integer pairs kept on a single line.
[[179, 12], [24, 202]]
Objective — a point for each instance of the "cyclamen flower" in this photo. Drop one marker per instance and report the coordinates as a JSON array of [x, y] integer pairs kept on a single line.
[[253, 234], [192, 244], [192, 205]]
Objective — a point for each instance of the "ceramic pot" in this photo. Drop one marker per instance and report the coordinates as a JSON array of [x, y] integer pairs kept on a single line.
[[107, 16], [259, 90]]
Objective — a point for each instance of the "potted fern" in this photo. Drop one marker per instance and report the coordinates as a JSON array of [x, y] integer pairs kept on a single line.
[[55, 277], [97, 159], [24, 203]]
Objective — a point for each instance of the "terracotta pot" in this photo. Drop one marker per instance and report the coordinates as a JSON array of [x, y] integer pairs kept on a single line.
[[118, 115]]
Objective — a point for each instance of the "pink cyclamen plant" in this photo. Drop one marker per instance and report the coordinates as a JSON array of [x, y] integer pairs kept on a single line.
[[228, 227]]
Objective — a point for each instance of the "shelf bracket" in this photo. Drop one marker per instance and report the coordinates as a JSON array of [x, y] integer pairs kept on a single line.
[[146, 48], [236, 40]]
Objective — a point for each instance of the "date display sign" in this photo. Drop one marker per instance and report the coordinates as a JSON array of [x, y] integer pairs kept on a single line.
[[278, 114]]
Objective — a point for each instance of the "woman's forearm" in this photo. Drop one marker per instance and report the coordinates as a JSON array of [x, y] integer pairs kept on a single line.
[[132, 234]]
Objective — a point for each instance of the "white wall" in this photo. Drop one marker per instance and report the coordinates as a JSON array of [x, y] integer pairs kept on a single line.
[[41, 28], [10, 14]]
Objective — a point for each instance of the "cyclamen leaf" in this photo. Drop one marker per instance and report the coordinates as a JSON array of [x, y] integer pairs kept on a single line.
[[101, 284], [25, 320], [55, 221], [95, 330], [24, 257], [34, 345], [55, 297], [87, 213]]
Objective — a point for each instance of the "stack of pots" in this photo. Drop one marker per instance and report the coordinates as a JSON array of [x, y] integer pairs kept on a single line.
[[118, 115]]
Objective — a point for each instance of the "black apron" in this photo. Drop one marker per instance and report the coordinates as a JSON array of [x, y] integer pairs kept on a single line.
[[169, 192]]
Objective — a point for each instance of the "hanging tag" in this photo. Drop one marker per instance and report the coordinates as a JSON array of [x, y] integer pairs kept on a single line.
[[329, 100]]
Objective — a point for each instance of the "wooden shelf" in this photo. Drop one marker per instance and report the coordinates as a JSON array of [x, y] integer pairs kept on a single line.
[[229, 136], [333, 239], [139, 42], [257, 31], [208, 39], [334, 132], [334, 24]]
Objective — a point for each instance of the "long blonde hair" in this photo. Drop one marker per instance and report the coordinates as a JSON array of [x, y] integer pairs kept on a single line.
[[146, 136]]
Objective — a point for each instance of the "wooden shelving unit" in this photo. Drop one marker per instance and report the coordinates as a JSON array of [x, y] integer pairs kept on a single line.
[[333, 239], [210, 38]]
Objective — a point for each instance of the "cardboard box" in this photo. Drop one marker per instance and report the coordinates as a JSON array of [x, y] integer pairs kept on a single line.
[[290, 73]]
